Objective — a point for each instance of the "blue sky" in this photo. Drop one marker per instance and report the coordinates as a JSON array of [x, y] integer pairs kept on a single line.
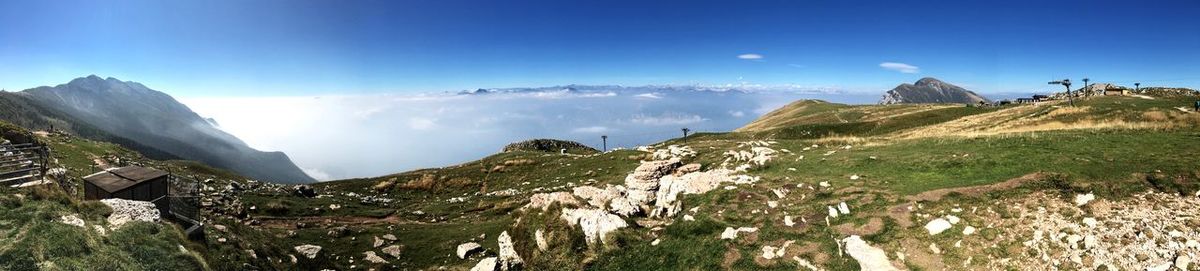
[[293, 48]]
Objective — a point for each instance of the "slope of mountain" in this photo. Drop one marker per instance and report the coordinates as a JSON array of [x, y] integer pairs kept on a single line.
[[930, 90], [155, 120]]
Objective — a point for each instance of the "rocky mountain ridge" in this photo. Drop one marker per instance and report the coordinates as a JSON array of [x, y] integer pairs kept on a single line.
[[930, 90]]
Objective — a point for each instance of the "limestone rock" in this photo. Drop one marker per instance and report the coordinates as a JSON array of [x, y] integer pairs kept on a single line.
[[393, 250], [466, 249], [731, 233], [937, 226], [308, 251], [543, 200], [595, 223], [540, 238], [125, 211], [509, 260], [597, 197], [642, 184], [869, 258], [71, 219], [371, 257], [487, 264]]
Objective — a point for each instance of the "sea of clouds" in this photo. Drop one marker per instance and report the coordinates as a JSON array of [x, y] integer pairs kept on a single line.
[[339, 137]]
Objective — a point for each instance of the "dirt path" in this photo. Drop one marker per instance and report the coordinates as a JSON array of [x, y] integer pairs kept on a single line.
[[902, 212]]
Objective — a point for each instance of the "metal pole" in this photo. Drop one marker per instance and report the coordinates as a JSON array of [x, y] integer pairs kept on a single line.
[[604, 140], [685, 133]]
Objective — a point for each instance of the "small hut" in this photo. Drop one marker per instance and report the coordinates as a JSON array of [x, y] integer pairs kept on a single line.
[[131, 183]]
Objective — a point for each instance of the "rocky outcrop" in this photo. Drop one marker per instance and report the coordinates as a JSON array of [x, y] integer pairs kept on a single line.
[[370, 256], [597, 197], [544, 200], [930, 90], [125, 211], [642, 184], [393, 250], [550, 145], [487, 264], [595, 223]]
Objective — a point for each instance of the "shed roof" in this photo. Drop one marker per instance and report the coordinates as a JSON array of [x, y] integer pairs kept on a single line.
[[117, 179]]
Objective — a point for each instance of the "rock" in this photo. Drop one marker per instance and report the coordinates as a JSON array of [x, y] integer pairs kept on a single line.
[[1182, 262], [832, 212], [938, 225], [854, 177], [72, 219], [125, 211], [968, 230], [509, 260], [934, 248], [487, 264], [595, 223], [304, 190], [689, 218], [731, 233], [544, 200], [308, 251], [843, 208], [540, 239], [1159, 267], [393, 250], [666, 200], [1081, 199], [389, 237], [598, 197], [371, 257], [466, 249], [378, 242], [642, 184], [1090, 222], [869, 258], [689, 168], [787, 221], [334, 207], [655, 242], [952, 219]]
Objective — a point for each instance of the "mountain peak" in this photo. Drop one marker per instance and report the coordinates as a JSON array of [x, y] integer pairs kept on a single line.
[[928, 81]]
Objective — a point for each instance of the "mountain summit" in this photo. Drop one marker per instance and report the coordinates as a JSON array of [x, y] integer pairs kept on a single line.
[[930, 90], [161, 126]]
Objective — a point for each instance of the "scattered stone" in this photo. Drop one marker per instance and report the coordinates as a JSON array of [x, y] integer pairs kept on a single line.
[[1081, 199], [968, 230], [304, 190], [843, 208], [389, 237], [689, 218], [655, 242], [731, 233], [824, 184], [466, 249], [937, 226], [832, 212], [787, 221], [393, 250], [371, 257], [378, 242], [125, 211], [308, 251], [72, 219], [869, 258], [854, 177]]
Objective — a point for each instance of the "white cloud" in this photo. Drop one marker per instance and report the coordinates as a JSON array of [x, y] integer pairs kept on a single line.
[[900, 67], [737, 114], [796, 65], [667, 119], [750, 56], [317, 174], [421, 123], [648, 96], [591, 130]]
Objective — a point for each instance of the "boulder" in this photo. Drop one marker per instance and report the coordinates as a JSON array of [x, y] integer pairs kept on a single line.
[[487, 264], [509, 260], [642, 184], [731, 233], [466, 249], [125, 211], [304, 190], [378, 242], [308, 251], [598, 197], [595, 223]]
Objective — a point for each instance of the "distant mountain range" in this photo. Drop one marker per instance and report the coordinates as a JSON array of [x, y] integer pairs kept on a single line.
[[588, 89], [930, 90], [143, 119]]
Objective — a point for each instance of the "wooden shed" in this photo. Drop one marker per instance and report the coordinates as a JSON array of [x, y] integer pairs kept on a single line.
[[131, 183]]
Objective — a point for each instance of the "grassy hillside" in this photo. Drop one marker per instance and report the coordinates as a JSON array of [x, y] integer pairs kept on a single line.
[[1007, 172]]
